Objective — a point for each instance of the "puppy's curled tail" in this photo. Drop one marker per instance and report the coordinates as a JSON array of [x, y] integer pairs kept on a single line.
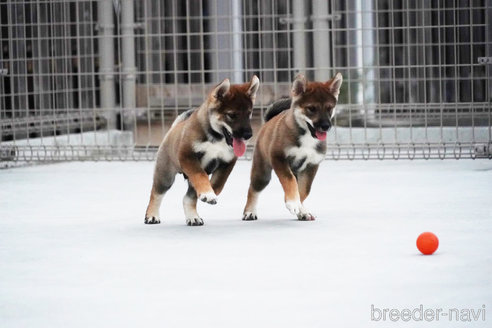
[[183, 116], [277, 107]]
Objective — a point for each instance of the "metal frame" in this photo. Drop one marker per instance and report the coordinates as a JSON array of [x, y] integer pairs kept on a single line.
[[103, 80]]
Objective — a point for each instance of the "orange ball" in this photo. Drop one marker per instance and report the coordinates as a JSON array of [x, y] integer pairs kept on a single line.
[[427, 243]]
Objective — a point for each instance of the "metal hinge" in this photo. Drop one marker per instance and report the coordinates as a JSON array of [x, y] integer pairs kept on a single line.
[[7, 153], [485, 60], [333, 17], [482, 150]]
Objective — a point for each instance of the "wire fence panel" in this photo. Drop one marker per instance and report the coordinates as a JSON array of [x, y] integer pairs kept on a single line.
[[103, 80], [48, 79]]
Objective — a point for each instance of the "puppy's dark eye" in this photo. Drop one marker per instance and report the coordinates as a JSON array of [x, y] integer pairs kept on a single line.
[[231, 116], [311, 109]]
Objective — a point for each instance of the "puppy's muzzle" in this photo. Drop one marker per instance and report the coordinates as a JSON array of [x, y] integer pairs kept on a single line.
[[325, 126], [244, 134]]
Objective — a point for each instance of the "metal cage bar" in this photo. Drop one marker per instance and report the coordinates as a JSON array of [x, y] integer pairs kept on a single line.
[[103, 80]]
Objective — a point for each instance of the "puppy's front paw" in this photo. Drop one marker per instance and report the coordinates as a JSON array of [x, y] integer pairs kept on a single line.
[[152, 220], [208, 197], [296, 208], [194, 221], [249, 216]]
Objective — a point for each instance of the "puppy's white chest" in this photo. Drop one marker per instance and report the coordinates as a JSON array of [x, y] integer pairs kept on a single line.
[[213, 151], [308, 152]]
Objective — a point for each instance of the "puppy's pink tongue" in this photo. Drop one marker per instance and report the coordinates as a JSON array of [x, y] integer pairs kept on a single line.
[[321, 135], [239, 147]]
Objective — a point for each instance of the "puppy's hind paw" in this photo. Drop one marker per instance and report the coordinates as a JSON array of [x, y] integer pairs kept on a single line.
[[194, 221], [152, 220], [249, 216], [208, 197], [306, 217]]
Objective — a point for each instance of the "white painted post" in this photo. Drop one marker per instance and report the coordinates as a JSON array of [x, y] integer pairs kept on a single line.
[[299, 35], [237, 42], [321, 40], [106, 60], [128, 56]]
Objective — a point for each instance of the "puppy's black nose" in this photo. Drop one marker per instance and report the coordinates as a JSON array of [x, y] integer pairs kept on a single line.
[[247, 134], [325, 126]]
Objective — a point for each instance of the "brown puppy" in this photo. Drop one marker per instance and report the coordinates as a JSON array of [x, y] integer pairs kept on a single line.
[[202, 141], [293, 142]]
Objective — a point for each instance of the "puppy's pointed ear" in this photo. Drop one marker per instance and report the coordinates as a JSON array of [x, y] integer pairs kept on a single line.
[[299, 85], [334, 84], [253, 87], [222, 89]]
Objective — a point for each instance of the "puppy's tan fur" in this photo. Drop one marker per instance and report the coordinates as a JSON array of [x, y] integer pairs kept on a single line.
[[288, 143], [197, 145]]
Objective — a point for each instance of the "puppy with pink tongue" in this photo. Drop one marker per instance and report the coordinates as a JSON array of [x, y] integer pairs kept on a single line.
[[292, 143], [203, 144]]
